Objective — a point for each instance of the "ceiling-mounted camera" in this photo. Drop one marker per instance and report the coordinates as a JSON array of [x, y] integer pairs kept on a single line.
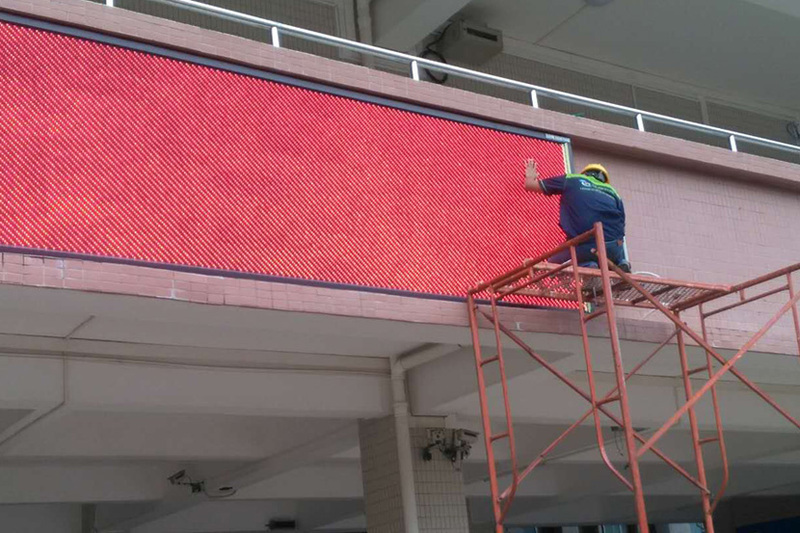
[[181, 478], [456, 446]]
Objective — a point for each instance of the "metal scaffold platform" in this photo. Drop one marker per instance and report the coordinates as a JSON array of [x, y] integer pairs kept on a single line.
[[596, 293]]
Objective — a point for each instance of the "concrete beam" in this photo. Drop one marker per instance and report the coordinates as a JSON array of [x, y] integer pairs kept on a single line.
[[326, 480], [47, 349], [447, 385], [96, 436], [539, 398], [401, 24], [435, 387], [28, 383], [109, 385], [100, 481], [78, 481], [787, 7], [252, 516]]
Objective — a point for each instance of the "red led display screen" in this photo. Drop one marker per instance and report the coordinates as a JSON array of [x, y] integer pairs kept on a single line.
[[117, 152]]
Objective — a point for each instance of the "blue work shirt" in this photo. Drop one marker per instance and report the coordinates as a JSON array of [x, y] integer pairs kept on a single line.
[[584, 201]]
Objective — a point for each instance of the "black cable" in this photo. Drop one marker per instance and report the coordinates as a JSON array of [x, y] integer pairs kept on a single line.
[[439, 38], [617, 443], [429, 51], [793, 129], [441, 80]]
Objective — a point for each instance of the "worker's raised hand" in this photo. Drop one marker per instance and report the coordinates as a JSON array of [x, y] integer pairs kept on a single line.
[[532, 177], [531, 174]]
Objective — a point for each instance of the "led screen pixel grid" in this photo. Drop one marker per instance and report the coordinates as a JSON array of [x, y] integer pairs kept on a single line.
[[119, 153]]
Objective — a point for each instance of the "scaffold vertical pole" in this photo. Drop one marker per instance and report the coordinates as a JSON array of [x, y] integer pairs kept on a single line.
[[484, 403], [509, 432], [694, 430], [587, 355], [630, 443], [795, 314], [723, 451]]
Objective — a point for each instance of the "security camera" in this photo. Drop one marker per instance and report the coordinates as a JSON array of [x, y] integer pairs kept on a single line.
[[456, 448], [462, 444], [180, 478], [467, 436]]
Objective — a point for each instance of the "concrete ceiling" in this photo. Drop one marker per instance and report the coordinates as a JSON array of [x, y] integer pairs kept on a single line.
[[268, 402], [742, 47]]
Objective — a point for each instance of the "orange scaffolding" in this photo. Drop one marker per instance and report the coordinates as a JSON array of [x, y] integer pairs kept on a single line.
[[605, 288]]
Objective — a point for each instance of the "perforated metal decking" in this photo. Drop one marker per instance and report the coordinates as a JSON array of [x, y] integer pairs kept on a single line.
[[604, 289]]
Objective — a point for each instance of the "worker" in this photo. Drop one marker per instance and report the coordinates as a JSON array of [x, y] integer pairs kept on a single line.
[[586, 198]]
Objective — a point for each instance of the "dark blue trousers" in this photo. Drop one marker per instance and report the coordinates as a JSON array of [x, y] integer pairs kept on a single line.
[[587, 258]]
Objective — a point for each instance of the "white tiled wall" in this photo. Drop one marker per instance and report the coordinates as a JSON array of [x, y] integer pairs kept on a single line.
[[380, 471], [438, 483]]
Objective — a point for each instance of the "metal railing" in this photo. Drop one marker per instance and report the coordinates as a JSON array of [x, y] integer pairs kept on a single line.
[[638, 116]]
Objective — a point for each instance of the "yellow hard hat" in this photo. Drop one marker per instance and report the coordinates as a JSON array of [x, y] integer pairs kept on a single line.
[[599, 168]]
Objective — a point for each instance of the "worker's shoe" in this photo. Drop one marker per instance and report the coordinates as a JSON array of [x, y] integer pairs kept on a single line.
[[625, 267]]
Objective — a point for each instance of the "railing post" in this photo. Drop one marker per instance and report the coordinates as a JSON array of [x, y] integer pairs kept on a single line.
[[732, 141], [640, 122], [415, 71], [276, 38], [534, 99]]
